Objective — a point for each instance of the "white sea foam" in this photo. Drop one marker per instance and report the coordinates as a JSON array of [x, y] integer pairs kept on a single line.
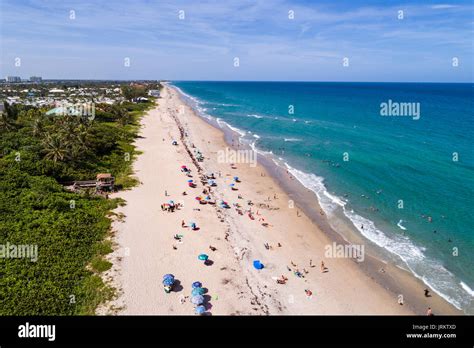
[[220, 122], [224, 104], [235, 129], [429, 270], [315, 183], [467, 288], [256, 116], [292, 139], [260, 152]]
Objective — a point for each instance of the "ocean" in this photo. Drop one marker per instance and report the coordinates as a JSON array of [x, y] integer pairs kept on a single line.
[[394, 161]]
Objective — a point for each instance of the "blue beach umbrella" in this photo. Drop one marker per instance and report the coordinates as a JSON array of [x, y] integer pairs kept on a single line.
[[197, 285], [200, 309], [197, 300], [257, 264], [203, 257], [190, 180], [197, 291], [168, 281]]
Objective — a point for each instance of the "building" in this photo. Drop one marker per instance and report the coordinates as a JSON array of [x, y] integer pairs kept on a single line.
[[56, 90], [36, 79], [13, 79], [154, 93]]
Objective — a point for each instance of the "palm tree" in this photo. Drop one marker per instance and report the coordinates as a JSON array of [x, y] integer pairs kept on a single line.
[[37, 127], [78, 143], [123, 115], [55, 147], [7, 117]]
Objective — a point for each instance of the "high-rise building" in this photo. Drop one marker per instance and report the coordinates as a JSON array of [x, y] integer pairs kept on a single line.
[[36, 79], [13, 79]]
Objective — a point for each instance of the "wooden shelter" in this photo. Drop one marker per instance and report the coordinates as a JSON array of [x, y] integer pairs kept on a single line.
[[104, 182]]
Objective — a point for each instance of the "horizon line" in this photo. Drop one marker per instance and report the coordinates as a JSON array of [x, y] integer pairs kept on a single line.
[[262, 81]]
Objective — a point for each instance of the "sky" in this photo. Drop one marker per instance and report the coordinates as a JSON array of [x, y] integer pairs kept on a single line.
[[267, 40]]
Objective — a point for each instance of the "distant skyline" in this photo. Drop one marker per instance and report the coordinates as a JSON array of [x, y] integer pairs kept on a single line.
[[269, 40]]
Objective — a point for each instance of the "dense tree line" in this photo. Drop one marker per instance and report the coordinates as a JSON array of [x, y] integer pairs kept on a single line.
[[37, 154]]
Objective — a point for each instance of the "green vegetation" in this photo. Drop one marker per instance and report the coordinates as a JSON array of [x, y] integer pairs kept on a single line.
[[39, 153]]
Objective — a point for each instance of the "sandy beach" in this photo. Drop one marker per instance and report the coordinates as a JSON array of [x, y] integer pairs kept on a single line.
[[283, 236]]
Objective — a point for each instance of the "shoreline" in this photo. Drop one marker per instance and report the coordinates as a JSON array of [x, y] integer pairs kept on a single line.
[[345, 289], [399, 281]]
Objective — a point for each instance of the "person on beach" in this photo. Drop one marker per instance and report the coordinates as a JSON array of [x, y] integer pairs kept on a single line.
[[298, 274], [308, 293], [183, 224], [427, 293], [429, 312], [323, 267]]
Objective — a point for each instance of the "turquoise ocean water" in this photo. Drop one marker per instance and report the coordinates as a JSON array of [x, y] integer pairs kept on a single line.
[[408, 182]]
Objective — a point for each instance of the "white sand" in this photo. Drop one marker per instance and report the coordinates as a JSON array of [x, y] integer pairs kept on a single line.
[[234, 285]]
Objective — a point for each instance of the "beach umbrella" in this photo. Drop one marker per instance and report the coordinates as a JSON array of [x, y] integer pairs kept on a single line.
[[236, 178], [168, 281], [197, 291], [232, 185], [203, 257], [171, 202], [200, 309], [168, 277], [199, 198], [190, 180], [197, 300], [183, 167], [197, 285], [257, 264]]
